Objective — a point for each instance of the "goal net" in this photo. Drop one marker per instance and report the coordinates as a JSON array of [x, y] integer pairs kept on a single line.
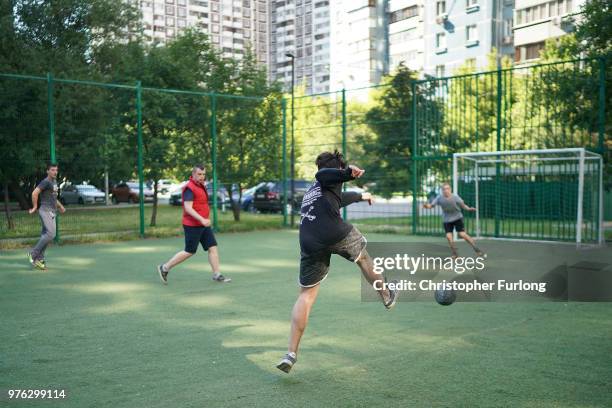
[[548, 194]]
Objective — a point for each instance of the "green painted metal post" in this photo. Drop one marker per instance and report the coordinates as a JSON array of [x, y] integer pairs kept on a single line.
[[51, 119], [284, 164], [498, 148], [602, 103], [140, 158], [415, 207], [213, 132], [344, 141]]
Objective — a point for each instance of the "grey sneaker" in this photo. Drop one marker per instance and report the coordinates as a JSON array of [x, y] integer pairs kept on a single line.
[[393, 295], [221, 278], [163, 274], [287, 362]]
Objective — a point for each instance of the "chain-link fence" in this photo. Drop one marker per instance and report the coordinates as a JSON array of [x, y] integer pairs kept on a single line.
[[124, 150]]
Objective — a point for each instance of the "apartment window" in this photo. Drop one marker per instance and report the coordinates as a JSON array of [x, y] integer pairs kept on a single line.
[[170, 10], [471, 34], [215, 7], [403, 14], [170, 1], [441, 41], [471, 3], [215, 18], [181, 23], [181, 2], [215, 28], [169, 21], [440, 7], [440, 71], [182, 12]]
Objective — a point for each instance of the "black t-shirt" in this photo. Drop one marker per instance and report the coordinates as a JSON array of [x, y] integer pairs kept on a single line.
[[321, 224], [187, 194]]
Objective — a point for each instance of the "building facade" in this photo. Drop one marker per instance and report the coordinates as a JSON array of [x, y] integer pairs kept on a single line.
[[233, 25], [301, 28], [406, 34], [359, 47], [459, 32], [536, 21]]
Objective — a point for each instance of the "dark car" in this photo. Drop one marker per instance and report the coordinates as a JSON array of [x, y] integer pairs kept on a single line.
[[129, 193], [269, 197], [248, 196]]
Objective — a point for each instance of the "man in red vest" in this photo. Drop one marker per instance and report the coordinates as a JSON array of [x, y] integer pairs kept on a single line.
[[196, 223]]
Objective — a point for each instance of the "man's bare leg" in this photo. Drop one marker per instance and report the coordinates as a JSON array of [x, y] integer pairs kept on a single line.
[[213, 259], [471, 241], [451, 243], [178, 258], [367, 269], [299, 315]]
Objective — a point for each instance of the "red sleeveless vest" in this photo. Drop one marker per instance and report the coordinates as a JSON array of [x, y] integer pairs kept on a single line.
[[200, 203]]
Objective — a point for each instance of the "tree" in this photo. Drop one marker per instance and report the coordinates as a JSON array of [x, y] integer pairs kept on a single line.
[[62, 37]]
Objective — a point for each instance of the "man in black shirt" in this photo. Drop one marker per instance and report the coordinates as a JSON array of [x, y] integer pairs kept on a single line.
[[323, 232]]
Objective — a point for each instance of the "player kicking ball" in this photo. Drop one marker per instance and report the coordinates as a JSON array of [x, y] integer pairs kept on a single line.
[[451, 205], [323, 233]]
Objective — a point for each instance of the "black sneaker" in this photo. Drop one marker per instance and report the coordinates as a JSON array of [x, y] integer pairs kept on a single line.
[[163, 274], [393, 295], [221, 278], [287, 362]]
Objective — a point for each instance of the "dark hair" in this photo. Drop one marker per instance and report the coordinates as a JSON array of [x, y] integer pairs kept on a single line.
[[51, 164], [199, 166], [333, 160]]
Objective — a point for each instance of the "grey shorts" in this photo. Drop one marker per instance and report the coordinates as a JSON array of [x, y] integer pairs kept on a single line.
[[315, 266]]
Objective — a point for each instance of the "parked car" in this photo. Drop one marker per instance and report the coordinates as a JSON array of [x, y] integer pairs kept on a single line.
[[269, 197], [165, 187], [247, 198], [129, 193], [81, 194], [176, 198]]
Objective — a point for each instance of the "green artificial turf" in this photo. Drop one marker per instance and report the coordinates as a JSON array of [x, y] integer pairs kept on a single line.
[[100, 324]]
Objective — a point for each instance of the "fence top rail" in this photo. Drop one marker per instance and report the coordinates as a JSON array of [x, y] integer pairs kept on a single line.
[[502, 70], [126, 86], [575, 150]]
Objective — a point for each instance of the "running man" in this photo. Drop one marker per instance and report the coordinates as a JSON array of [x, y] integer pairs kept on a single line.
[[46, 190], [323, 233], [451, 205], [196, 224]]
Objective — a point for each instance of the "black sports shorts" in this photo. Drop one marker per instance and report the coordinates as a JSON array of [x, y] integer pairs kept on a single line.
[[315, 266], [198, 235], [457, 225]]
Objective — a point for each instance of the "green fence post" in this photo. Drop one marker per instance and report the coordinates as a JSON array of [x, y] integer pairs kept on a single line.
[[213, 132], [140, 158], [284, 172], [51, 119], [498, 147], [344, 141], [415, 207], [602, 103]]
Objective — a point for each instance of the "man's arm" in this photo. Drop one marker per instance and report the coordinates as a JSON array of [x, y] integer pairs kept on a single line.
[[463, 205], [432, 204], [60, 207], [349, 197], [334, 176], [188, 205], [35, 194]]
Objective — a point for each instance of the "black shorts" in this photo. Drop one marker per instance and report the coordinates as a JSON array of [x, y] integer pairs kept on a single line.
[[198, 235], [314, 266], [457, 225]]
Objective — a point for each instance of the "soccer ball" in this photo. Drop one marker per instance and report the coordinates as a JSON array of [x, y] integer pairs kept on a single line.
[[445, 297]]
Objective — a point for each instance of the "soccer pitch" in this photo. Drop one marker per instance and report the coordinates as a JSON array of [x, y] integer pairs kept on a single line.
[[100, 325]]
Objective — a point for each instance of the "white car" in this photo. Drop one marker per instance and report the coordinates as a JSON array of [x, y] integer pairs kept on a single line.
[[81, 194]]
